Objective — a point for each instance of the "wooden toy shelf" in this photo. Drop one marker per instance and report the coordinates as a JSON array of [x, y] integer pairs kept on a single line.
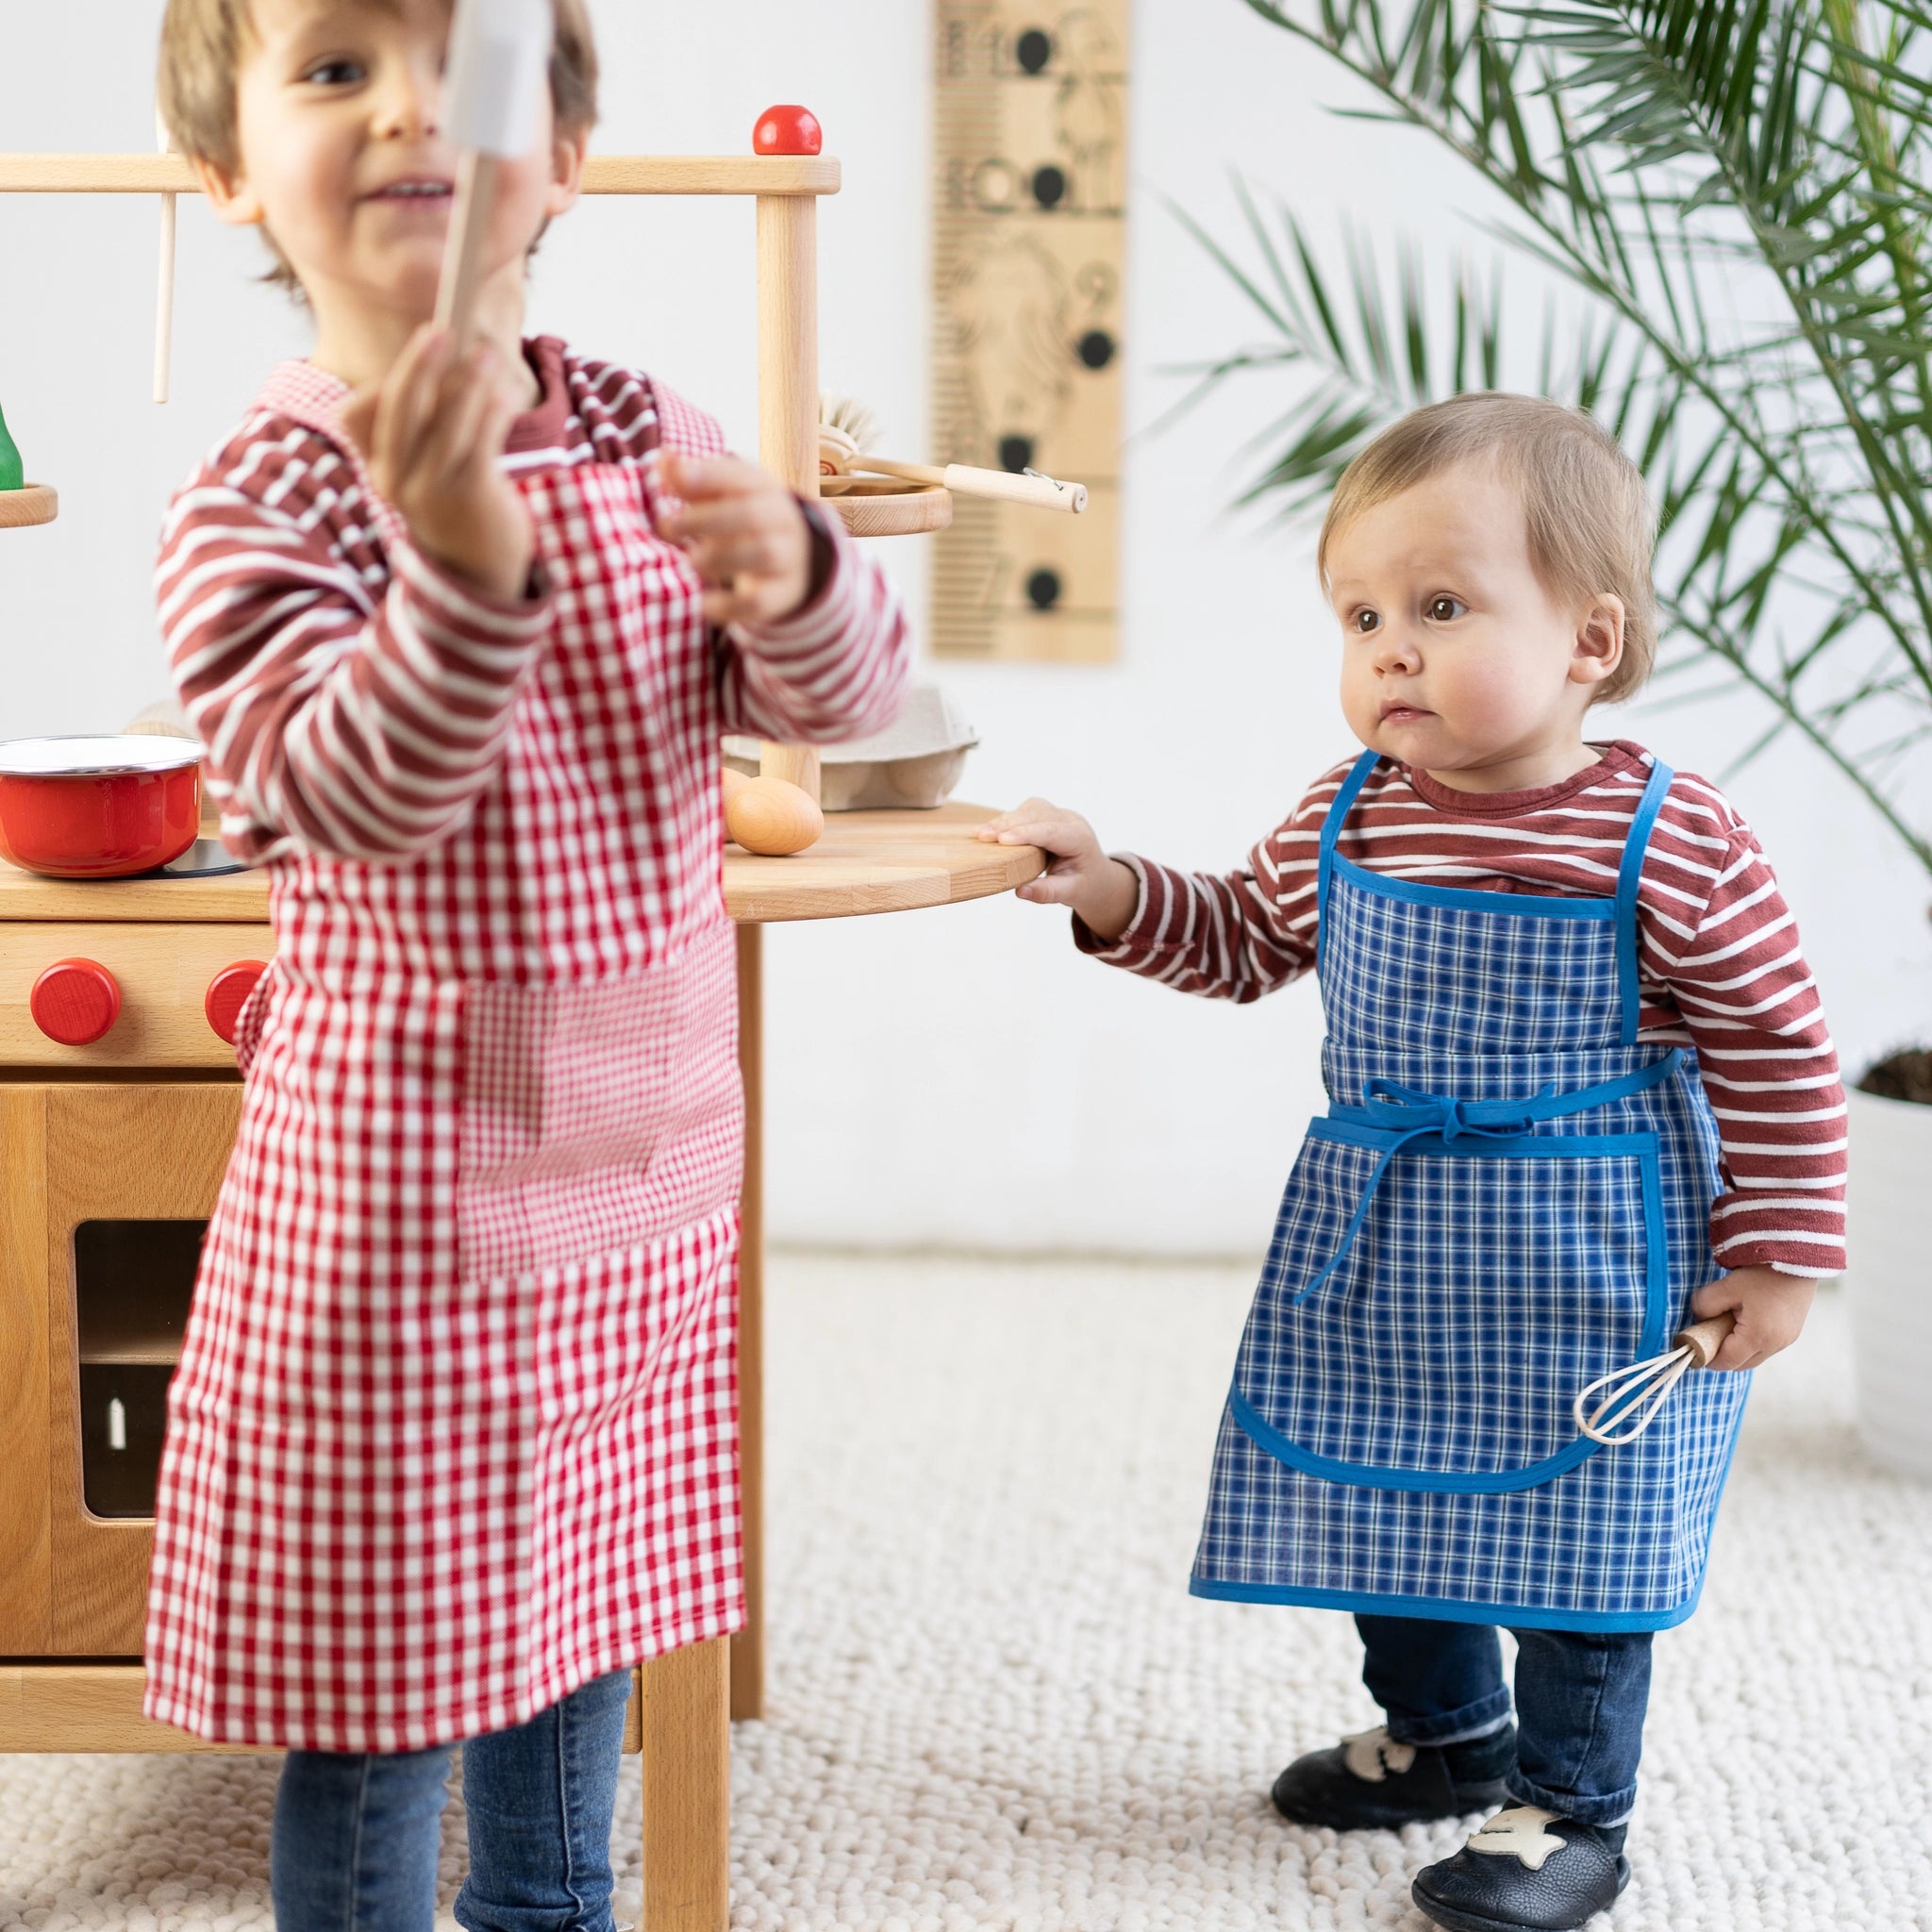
[[109, 1153], [22, 508], [134, 1130], [786, 188]]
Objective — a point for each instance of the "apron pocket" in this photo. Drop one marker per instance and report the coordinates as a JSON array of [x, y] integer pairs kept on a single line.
[[1485, 1287], [601, 1116]]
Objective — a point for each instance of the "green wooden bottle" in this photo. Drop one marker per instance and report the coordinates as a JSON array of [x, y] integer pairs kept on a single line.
[[12, 472]]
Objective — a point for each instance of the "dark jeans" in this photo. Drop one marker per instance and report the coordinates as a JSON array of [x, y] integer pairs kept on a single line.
[[355, 1836], [1580, 1700]]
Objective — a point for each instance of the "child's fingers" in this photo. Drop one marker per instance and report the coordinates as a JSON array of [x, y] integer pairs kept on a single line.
[[1026, 813], [727, 562], [456, 434], [1049, 889], [408, 398], [705, 479], [1739, 1352], [477, 405], [740, 602], [1057, 834]]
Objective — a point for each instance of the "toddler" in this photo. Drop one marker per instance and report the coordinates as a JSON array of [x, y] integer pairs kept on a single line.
[[453, 1440], [1581, 1089]]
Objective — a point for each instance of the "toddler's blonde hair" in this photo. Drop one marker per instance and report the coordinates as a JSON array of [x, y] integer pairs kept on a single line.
[[1591, 527], [203, 42]]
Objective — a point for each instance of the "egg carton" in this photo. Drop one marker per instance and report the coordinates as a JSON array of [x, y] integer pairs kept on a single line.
[[915, 762]]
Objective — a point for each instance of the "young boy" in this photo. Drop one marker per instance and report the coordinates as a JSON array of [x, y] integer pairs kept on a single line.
[[453, 1440], [1577, 1071]]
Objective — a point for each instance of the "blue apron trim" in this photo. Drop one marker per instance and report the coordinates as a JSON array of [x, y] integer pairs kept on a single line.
[[1623, 908], [1331, 830], [1656, 1322], [1446, 1609], [1365, 1476], [1466, 899], [1400, 1114], [1629, 876]]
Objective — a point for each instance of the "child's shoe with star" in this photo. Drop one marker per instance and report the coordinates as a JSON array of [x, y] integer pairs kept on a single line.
[[1526, 1871], [1372, 1782]]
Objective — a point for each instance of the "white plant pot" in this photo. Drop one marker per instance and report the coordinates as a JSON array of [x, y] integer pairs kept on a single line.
[[1889, 1278]]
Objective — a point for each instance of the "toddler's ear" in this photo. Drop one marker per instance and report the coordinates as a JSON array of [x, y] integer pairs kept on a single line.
[[1599, 647], [233, 200], [566, 172]]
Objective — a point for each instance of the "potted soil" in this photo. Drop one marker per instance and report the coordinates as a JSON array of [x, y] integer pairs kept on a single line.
[[1891, 1275]]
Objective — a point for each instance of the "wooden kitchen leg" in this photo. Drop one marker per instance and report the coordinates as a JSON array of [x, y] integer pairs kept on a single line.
[[687, 1754], [788, 389], [748, 1646]]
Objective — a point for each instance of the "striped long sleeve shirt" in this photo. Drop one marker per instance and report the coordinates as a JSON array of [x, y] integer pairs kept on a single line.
[[354, 696], [1720, 964]]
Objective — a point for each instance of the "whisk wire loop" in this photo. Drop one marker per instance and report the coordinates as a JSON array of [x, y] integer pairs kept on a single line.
[[1640, 1391]]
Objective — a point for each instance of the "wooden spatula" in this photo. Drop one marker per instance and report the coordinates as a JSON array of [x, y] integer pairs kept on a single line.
[[499, 63]]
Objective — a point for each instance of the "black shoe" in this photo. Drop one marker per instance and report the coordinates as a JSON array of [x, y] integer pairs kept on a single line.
[[1370, 1782], [1525, 1870]]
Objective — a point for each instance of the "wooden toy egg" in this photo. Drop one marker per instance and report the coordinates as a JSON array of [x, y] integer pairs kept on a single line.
[[768, 816], [733, 781]]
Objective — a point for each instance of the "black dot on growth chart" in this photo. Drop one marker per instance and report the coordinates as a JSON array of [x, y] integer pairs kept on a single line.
[[1043, 589], [1096, 349], [1016, 453], [1049, 186], [1033, 50]]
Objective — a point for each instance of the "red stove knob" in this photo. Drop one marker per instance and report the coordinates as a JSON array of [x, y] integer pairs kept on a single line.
[[75, 1001], [227, 994], [788, 131]]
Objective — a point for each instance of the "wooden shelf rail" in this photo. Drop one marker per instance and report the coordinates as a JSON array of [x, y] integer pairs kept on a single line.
[[748, 175], [96, 1707]]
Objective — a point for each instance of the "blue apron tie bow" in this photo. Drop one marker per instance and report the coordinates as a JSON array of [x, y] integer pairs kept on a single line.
[[1411, 1113]]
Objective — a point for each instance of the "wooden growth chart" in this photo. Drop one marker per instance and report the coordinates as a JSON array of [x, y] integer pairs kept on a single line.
[[1029, 253]]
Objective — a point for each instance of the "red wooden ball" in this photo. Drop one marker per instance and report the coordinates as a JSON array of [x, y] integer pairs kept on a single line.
[[75, 1001], [788, 131], [227, 994]]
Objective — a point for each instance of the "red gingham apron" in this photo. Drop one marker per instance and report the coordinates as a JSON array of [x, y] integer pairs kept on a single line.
[[454, 1428]]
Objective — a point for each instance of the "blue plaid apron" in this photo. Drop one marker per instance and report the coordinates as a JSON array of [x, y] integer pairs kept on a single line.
[[1507, 1197]]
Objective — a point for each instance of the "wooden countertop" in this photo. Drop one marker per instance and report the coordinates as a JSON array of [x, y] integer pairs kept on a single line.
[[868, 861]]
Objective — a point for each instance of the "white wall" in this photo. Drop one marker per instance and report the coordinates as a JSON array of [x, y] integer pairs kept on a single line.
[[956, 1076]]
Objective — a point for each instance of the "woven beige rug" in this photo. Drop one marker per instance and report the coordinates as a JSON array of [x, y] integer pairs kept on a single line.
[[994, 1706]]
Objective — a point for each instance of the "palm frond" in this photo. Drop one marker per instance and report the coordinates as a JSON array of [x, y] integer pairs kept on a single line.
[[1657, 154]]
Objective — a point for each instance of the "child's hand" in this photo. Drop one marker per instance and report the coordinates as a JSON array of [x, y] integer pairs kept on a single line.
[[744, 533], [1100, 889], [432, 432], [1771, 1309]]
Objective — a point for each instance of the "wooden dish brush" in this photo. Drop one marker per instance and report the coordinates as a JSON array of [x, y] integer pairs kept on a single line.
[[847, 429]]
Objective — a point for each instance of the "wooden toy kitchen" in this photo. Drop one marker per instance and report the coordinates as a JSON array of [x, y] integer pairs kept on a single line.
[[119, 1099]]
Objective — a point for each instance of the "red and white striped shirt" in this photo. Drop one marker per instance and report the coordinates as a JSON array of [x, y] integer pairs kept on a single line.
[[354, 696], [1719, 962]]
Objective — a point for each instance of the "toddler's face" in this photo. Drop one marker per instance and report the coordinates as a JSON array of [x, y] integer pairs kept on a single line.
[[1455, 656], [339, 108]]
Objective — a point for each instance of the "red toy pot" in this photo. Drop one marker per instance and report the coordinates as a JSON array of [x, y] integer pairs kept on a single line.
[[98, 807]]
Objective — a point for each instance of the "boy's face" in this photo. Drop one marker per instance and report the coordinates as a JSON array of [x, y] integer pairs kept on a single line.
[[1455, 656], [338, 112]]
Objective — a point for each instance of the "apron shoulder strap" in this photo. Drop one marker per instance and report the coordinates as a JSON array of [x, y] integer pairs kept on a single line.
[[1331, 831], [1629, 876]]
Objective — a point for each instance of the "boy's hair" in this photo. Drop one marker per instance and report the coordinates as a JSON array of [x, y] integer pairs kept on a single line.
[[203, 42], [1591, 527]]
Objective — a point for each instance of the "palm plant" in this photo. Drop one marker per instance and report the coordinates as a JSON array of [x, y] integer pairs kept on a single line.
[[1735, 187]]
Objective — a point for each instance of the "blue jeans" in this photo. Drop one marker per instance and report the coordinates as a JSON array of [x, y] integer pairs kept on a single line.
[[1580, 1700], [356, 1835]]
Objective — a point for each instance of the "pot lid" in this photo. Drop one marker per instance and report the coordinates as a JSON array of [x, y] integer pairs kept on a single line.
[[94, 757]]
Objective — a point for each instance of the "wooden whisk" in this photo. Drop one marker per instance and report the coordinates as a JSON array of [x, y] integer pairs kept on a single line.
[[1643, 1387]]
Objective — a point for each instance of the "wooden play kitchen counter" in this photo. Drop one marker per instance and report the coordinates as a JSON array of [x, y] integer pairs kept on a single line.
[[111, 1155]]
